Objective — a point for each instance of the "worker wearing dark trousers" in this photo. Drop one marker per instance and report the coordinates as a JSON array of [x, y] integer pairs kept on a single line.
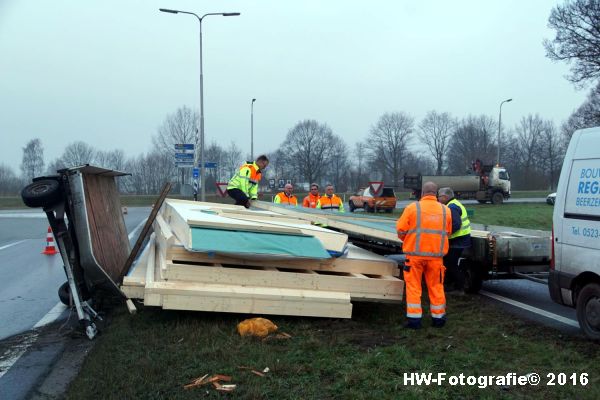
[[460, 239]]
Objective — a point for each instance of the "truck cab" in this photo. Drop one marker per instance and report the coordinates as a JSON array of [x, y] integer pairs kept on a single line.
[[499, 178]]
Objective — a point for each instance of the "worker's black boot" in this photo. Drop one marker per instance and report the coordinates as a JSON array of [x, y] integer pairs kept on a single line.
[[438, 322], [413, 323]]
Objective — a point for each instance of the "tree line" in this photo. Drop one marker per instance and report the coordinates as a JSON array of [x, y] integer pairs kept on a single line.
[[396, 143]]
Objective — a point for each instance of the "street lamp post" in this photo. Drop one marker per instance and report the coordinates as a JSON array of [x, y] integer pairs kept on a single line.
[[202, 161], [499, 129], [252, 130]]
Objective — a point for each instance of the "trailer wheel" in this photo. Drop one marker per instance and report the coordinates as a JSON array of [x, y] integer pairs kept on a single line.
[[42, 193], [497, 198], [473, 279], [588, 310]]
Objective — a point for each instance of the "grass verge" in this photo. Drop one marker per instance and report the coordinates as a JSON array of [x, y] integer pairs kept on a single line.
[[154, 353]]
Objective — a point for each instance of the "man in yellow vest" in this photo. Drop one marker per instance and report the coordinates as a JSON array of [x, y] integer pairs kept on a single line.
[[243, 186], [286, 197], [329, 201], [460, 239]]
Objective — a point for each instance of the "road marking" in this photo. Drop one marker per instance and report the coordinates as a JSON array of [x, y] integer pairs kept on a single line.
[[12, 354], [22, 215], [139, 226], [6, 246], [532, 309]]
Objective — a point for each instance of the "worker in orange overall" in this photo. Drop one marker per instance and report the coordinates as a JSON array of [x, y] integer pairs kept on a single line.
[[330, 201], [424, 228], [286, 197], [312, 199]]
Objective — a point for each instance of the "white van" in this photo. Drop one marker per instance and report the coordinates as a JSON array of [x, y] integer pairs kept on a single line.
[[575, 268]]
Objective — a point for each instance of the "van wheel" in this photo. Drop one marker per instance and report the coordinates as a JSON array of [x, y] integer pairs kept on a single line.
[[497, 198], [367, 208], [42, 193], [588, 310], [351, 206]]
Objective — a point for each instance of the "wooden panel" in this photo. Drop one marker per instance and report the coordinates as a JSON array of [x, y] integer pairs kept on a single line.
[[355, 261], [360, 287], [257, 306], [110, 243]]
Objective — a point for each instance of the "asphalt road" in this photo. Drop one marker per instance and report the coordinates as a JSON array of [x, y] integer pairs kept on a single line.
[[29, 279]]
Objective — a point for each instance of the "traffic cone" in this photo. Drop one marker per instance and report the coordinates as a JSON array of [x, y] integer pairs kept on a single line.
[[50, 249]]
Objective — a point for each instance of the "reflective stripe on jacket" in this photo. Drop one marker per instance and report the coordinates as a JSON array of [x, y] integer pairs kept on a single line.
[[282, 198], [246, 180], [310, 201], [330, 203], [465, 224], [424, 227]]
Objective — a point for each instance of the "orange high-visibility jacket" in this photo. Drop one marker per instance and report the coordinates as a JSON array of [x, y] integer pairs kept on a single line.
[[282, 198], [330, 203], [310, 201], [424, 227]]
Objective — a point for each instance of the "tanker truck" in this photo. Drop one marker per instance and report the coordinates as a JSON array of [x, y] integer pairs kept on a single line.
[[486, 183]]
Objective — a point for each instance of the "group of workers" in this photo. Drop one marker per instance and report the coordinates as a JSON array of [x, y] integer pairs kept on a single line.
[[434, 230], [243, 188]]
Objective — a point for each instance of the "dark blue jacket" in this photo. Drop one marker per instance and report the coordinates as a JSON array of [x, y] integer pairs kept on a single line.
[[462, 241]]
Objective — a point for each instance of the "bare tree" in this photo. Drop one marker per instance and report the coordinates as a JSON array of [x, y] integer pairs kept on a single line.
[[232, 159], [472, 139], [32, 164], [586, 116], [577, 40], [179, 127], [550, 153], [388, 141], [54, 166], [360, 153], [338, 167], [308, 147], [528, 134], [78, 153], [9, 183], [435, 131]]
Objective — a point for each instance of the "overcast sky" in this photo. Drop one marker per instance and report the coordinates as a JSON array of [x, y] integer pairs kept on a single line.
[[108, 72]]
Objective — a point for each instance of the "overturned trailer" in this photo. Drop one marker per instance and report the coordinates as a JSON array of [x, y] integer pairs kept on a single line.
[[496, 252]]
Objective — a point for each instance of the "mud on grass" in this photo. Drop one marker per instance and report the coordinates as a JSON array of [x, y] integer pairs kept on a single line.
[[154, 353]]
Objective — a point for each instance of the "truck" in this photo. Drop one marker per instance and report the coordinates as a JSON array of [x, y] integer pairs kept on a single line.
[[486, 183]]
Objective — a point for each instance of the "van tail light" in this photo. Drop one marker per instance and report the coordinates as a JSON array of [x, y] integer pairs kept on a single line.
[[552, 254]]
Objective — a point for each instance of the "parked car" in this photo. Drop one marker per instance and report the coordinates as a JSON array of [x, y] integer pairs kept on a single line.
[[574, 278], [551, 199], [384, 201]]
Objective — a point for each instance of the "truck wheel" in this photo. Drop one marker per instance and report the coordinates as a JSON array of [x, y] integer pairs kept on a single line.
[[588, 310], [351, 206], [473, 279], [64, 294], [497, 198], [42, 193], [482, 201], [389, 210]]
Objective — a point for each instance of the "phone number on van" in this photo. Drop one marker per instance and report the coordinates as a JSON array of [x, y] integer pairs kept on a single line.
[[586, 232]]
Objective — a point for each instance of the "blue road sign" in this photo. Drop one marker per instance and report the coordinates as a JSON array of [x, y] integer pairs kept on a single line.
[[184, 156], [210, 164], [195, 172], [184, 147]]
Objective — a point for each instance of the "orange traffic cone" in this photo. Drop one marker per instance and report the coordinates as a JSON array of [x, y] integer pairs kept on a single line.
[[50, 249]]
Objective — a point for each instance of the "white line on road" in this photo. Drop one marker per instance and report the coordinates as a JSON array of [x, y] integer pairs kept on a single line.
[[23, 215], [6, 246], [51, 316], [539, 311]]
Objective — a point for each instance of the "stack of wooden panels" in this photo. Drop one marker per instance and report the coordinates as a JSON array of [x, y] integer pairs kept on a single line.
[[171, 275]]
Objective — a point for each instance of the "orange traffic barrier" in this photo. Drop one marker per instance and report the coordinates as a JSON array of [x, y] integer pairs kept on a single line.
[[50, 249]]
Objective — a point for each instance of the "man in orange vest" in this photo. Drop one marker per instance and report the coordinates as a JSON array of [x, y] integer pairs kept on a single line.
[[424, 227], [312, 199], [329, 201], [286, 197]]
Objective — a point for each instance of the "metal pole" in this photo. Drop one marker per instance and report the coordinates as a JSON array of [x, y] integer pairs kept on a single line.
[[500, 129], [252, 130], [202, 169]]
